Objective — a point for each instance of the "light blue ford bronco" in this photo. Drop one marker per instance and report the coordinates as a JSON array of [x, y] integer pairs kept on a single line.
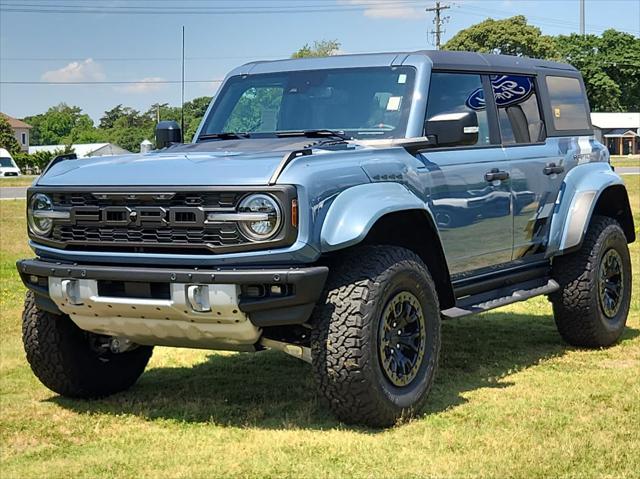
[[336, 209]]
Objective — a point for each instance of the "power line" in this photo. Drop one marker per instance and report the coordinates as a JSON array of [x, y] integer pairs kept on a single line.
[[261, 6], [195, 10], [134, 59], [115, 82], [261, 56], [534, 19]]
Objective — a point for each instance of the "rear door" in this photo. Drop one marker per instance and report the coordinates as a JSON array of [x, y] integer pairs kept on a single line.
[[537, 166], [470, 185]]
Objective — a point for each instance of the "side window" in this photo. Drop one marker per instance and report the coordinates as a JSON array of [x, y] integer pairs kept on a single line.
[[256, 110], [518, 109], [568, 105], [459, 93]]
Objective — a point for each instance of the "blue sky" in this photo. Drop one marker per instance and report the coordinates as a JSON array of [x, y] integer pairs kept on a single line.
[[107, 47]]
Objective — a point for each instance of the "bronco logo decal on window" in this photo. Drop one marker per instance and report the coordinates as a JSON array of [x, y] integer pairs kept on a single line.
[[507, 90]]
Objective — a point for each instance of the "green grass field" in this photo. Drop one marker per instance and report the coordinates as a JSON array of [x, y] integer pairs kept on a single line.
[[631, 160], [24, 180], [511, 400]]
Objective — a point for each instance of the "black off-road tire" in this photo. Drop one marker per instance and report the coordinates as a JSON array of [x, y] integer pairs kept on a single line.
[[577, 307], [61, 356], [344, 342]]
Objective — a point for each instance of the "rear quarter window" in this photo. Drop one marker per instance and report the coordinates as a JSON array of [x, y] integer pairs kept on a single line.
[[568, 105]]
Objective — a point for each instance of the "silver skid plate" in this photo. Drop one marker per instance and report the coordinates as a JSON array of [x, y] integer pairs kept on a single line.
[[206, 316]]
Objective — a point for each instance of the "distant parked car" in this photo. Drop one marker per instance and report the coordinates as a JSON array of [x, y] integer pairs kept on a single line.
[[8, 167]]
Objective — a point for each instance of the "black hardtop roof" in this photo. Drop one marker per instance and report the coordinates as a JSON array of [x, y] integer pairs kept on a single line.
[[441, 60], [454, 60]]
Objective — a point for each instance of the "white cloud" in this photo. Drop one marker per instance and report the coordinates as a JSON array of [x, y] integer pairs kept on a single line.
[[86, 70], [386, 9], [144, 85]]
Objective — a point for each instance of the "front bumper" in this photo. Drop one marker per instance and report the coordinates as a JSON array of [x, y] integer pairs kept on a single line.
[[301, 287]]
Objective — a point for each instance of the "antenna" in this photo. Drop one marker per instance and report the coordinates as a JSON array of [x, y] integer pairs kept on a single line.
[[438, 22], [182, 88]]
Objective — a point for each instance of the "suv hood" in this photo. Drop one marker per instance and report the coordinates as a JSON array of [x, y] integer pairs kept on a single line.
[[226, 162]]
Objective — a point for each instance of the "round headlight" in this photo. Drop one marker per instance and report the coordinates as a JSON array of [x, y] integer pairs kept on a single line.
[[41, 226], [268, 216]]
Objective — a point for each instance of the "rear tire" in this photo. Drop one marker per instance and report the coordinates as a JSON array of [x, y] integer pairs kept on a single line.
[[592, 305], [376, 337], [68, 360]]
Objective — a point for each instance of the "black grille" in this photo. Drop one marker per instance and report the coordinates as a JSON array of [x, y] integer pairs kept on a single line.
[[89, 229]]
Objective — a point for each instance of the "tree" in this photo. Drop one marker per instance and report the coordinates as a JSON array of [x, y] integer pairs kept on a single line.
[[194, 111], [511, 36], [322, 48], [110, 117], [7, 139], [610, 66], [59, 124]]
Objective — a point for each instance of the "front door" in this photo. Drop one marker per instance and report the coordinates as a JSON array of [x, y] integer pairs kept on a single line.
[[470, 185]]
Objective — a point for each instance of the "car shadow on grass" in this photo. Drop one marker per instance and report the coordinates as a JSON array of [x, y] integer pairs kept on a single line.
[[270, 390]]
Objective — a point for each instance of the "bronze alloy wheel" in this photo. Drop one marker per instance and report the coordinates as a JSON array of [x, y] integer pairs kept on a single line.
[[402, 339], [611, 283]]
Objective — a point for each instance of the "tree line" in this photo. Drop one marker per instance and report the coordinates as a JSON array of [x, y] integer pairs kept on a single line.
[[121, 125], [609, 63]]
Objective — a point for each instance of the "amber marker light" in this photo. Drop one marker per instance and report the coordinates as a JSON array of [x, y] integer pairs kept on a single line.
[[294, 213]]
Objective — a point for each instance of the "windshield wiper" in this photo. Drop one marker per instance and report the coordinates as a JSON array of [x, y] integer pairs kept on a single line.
[[228, 135], [314, 134]]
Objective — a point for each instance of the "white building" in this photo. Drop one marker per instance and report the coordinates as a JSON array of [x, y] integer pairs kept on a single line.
[[83, 150]]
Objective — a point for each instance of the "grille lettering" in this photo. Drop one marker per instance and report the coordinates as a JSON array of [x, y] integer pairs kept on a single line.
[[143, 216]]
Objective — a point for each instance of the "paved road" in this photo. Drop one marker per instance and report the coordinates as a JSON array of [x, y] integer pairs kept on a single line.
[[628, 170], [13, 192]]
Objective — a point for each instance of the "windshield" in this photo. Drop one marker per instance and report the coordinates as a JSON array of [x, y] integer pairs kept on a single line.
[[6, 163], [366, 103]]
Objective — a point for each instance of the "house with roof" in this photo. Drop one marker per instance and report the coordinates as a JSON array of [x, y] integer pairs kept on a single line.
[[83, 150], [619, 131], [20, 129]]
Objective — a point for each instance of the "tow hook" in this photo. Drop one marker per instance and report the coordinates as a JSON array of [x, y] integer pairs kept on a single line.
[[121, 345]]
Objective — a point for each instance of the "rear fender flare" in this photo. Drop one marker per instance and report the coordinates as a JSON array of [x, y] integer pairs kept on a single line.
[[582, 188]]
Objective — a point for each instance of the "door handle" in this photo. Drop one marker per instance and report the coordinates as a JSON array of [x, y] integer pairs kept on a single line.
[[553, 169], [496, 175]]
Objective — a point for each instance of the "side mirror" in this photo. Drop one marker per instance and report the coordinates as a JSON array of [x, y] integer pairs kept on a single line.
[[167, 133], [453, 129]]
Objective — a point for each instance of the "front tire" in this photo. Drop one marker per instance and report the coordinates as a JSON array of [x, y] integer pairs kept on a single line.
[[70, 361], [376, 337], [592, 305]]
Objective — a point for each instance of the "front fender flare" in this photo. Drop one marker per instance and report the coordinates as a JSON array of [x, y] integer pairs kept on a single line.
[[356, 210], [580, 192]]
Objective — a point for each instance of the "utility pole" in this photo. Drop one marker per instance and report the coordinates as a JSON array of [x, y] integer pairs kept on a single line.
[[438, 22], [582, 29]]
